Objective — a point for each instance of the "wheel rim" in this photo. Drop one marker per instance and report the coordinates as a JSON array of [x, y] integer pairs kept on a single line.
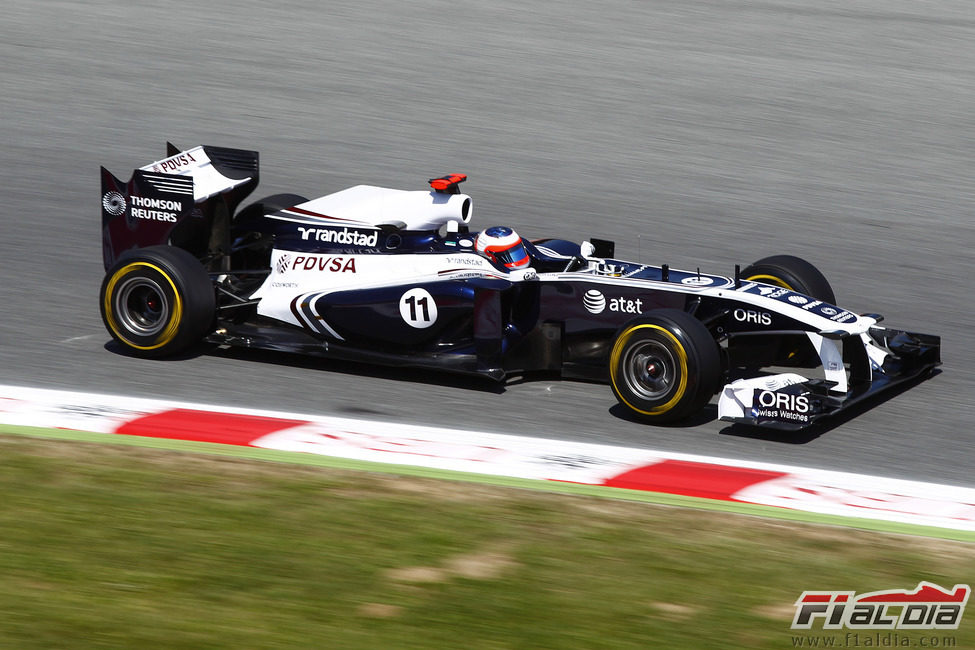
[[649, 370], [142, 306], [770, 279]]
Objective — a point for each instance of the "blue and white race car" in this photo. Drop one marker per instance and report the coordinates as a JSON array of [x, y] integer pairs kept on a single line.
[[399, 277]]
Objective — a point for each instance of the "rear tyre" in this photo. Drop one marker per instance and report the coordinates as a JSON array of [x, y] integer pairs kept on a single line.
[[791, 272], [157, 301], [664, 366]]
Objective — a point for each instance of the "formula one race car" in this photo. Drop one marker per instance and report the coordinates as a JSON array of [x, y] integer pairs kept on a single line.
[[398, 277]]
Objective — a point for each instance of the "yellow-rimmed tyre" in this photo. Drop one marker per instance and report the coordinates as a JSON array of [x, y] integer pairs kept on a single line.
[[795, 273], [157, 301], [664, 366], [791, 272]]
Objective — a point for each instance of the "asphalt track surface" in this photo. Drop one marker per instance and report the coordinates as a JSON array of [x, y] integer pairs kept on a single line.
[[717, 131]]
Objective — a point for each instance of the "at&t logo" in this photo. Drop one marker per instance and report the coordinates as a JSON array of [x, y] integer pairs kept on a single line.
[[595, 303]]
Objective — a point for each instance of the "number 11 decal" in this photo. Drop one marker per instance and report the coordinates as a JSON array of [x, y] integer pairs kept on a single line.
[[418, 308]]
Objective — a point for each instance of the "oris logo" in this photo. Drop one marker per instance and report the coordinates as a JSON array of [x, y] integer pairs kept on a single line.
[[594, 302], [114, 203], [755, 317], [784, 401]]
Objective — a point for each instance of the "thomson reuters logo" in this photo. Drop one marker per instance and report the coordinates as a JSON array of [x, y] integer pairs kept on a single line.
[[114, 203], [594, 302]]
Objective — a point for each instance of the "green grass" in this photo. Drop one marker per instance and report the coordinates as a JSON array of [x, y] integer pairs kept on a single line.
[[106, 546]]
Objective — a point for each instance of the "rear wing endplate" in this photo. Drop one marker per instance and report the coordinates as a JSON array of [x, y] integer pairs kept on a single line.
[[182, 200]]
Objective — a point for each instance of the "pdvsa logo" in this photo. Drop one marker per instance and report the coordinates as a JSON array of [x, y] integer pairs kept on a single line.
[[175, 163], [323, 263], [928, 607]]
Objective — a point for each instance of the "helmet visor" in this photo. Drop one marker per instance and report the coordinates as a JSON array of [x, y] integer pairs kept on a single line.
[[514, 257]]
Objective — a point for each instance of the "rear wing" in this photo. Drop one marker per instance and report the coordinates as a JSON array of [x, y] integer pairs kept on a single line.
[[186, 200]]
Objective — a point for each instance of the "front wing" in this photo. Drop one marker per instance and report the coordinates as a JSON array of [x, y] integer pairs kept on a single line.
[[873, 362]]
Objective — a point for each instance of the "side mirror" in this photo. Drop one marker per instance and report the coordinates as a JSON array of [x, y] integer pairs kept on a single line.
[[603, 248]]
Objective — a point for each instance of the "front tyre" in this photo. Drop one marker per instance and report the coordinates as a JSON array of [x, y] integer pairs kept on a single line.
[[157, 301], [796, 274], [664, 366], [791, 272]]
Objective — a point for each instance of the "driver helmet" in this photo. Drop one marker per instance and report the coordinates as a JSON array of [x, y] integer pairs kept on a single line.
[[503, 246]]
